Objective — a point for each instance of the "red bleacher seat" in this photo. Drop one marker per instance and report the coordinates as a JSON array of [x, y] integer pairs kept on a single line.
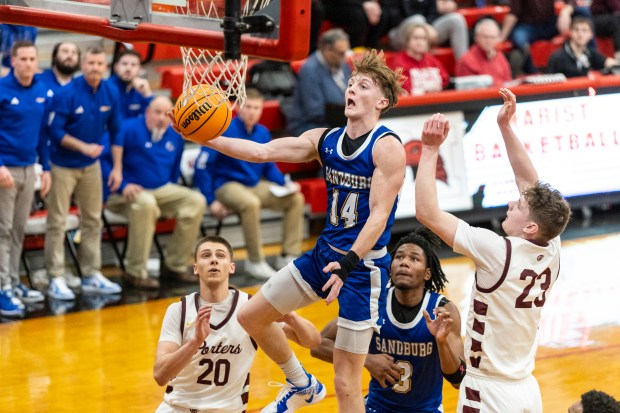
[[605, 46], [473, 14], [446, 57], [291, 168], [272, 116], [315, 192], [541, 50], [162, 51]]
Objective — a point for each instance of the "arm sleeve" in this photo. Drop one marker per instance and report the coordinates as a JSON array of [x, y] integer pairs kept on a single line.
[[170, 327], [598, 60], [463, 67], [485, 248], [272, 173], [313, 100], [553, 65], [202, 177], [114, 124], [175, 174], [58, 117], [43, 148]]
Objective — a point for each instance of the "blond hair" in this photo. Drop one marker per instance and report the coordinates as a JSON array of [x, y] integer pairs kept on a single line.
[[389, 81]]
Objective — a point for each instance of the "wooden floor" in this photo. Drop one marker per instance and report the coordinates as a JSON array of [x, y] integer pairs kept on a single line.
[[101, 360]]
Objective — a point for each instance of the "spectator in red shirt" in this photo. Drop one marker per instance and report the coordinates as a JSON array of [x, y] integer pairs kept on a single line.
[[424, 72], [483, 57]]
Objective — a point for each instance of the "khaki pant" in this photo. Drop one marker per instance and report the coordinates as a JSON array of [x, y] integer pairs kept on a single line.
[[15, 206], [85, 185], [171, 201], [248, 201]]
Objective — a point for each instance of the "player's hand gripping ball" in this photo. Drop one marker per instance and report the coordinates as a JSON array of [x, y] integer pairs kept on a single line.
[[202, 113]]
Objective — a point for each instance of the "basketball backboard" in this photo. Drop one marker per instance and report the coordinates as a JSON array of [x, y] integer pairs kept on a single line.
[[190, 23]]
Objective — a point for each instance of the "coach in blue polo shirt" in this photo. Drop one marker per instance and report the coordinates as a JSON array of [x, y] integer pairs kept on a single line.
[[82, 112], [151, 167], [24, 106]]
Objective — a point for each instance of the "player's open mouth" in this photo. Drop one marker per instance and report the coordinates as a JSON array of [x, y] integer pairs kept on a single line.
[[350, 102]]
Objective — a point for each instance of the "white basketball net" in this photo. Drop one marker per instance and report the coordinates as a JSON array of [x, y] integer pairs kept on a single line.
[[204, 66]]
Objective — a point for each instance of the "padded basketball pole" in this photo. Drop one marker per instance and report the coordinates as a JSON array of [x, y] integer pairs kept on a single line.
[[232, 28], [233, 25]]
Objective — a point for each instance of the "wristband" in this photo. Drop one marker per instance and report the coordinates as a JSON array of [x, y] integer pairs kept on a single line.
[[458, 375], [347, 264]]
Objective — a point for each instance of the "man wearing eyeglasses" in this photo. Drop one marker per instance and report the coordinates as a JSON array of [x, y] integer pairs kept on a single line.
[[322, 80]]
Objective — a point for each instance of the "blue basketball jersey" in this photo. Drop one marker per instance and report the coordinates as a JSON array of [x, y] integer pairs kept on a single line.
[[414, 350], [348, 181]]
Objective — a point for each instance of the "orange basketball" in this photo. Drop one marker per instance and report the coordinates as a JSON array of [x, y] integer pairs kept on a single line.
[[202, 113]]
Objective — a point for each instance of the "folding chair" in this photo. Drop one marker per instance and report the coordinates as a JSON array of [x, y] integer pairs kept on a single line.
[[34, 239]]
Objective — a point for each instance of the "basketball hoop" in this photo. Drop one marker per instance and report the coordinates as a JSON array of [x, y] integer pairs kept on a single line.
[[225, 69], [268, 29]]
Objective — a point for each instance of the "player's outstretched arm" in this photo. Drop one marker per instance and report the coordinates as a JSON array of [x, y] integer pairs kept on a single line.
[[300, 330], [446, 327], [170, 358], [522, 166], [428, 213], [290, 149]]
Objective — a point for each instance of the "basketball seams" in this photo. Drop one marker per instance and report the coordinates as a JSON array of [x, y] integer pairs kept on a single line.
[[188, 103]]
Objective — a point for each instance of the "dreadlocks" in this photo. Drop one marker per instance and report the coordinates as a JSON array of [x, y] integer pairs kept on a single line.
[[429, 242]]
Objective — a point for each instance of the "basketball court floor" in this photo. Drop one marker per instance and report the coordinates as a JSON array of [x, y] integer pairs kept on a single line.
[[97, 356]]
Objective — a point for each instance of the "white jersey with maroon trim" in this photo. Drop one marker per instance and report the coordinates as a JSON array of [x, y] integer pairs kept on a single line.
[[513, 280], [218, 376]]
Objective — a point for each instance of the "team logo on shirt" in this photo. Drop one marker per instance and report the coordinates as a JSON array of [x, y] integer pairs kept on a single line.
[[347, 179], [14, 101], [79, 110], [170, 147], [220, 348], [403, 348]]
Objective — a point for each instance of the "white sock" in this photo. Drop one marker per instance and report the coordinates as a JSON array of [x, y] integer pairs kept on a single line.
[[294, 372]]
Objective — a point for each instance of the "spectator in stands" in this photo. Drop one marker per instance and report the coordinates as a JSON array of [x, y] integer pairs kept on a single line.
[[24, 106], [575, 58], [134, 90], [483, 58], [321, 80], [82, 112], [135, 95], [11, 33], [359, 17], [606, 18], [444, 24], [424, 72], [65, 63], [532, 20], [151, 167], [230, 184], [595, 401]]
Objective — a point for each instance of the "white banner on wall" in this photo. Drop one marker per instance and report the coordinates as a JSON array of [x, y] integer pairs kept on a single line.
[[574, 144], [451, 177]]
